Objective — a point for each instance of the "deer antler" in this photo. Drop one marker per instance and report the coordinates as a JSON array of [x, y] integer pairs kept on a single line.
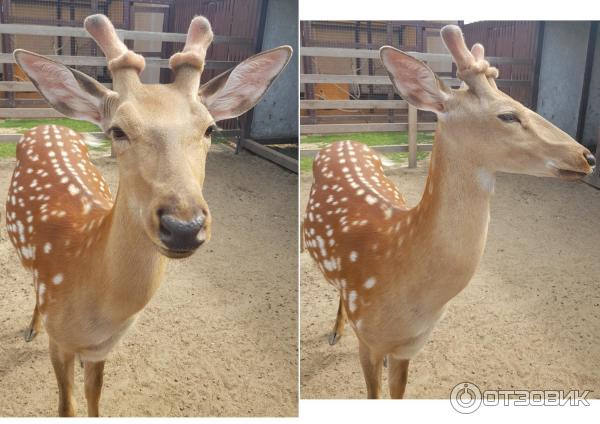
[[189, 63], [471, 64], [120, 59]]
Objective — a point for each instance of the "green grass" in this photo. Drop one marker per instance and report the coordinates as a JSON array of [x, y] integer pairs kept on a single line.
[[370, 139], [105, 145], [306, 164], [8, 150], [218, 138], [22, 125]]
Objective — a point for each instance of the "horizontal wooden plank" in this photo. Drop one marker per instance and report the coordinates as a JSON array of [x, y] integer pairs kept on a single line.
[[101, 61], [399, 115], [374, 54], [353, 104], [345, 79], [390, 148], [270, 154], [385, 80], [29, 113], [360, 79], [64, 31], [362, 128], [13, 138], [24, 86]]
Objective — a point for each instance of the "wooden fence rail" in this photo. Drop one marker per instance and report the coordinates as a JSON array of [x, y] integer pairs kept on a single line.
[[385, 80], [353, 104], [412, 125], [374, 54], [25, 86]]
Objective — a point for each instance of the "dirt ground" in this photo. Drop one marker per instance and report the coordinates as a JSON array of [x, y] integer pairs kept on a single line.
[[220, 336], [529, 319]]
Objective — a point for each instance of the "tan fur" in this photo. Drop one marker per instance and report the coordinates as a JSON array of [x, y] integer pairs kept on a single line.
[[397, 267]]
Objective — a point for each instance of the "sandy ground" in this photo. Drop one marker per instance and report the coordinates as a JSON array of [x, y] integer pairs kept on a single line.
[[220, 336], [529, 319]]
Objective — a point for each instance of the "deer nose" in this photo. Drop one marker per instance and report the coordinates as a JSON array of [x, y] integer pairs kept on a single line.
[[591, 160], [181, 235]]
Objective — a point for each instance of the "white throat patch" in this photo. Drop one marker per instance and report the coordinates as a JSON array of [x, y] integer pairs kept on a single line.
[[486, 180]]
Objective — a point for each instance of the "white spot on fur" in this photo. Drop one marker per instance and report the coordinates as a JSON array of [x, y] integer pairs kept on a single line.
[[57, 279], [73, 190], [352, 301], [369, 283], [371, 200], [41, 291], [353, 256], [486, 180], [330, 264]]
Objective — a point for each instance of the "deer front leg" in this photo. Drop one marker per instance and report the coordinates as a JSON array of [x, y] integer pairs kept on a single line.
[[397, 377], [63, 363], [371, 366], [34, 326], [94, 373], [340, 323]]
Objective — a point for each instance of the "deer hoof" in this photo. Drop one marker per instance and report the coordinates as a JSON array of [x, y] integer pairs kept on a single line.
[[30, 334], [334, 337]]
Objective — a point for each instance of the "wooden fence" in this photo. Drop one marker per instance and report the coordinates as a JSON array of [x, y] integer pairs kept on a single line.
[[411, 123], [99, 61]]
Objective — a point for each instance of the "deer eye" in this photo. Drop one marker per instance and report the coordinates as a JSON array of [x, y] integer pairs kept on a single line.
[[509, 117], [210, 130], [117, 133]]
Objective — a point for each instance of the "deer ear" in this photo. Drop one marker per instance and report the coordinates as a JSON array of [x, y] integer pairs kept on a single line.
[[237, 91], [70, 92], [414, 80]]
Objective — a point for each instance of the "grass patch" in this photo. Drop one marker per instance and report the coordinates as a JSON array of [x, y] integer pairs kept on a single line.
[[306, 164], [22, 125], [104, 145], [370, 139], [8, 150], [403, 157], [218, 138]]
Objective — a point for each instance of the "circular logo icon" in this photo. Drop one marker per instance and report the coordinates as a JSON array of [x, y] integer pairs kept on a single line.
[[465, 398]]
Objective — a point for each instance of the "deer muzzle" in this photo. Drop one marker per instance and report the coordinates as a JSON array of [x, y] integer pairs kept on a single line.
[[181, 237]]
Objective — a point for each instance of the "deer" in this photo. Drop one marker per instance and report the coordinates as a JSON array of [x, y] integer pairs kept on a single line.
[[396, 268], [97, 261]]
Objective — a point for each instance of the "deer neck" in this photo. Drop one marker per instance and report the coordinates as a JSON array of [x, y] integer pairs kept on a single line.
[[131, 263], [455, 212]]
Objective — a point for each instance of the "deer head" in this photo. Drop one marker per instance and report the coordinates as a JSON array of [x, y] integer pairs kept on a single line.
[[487, 127], [161, 133]]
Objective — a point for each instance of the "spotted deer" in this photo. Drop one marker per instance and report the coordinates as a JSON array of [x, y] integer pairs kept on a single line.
[[397, 267], [96, 262]]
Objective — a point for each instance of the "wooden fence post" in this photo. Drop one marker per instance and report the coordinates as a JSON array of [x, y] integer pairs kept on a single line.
[[412, 136]]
